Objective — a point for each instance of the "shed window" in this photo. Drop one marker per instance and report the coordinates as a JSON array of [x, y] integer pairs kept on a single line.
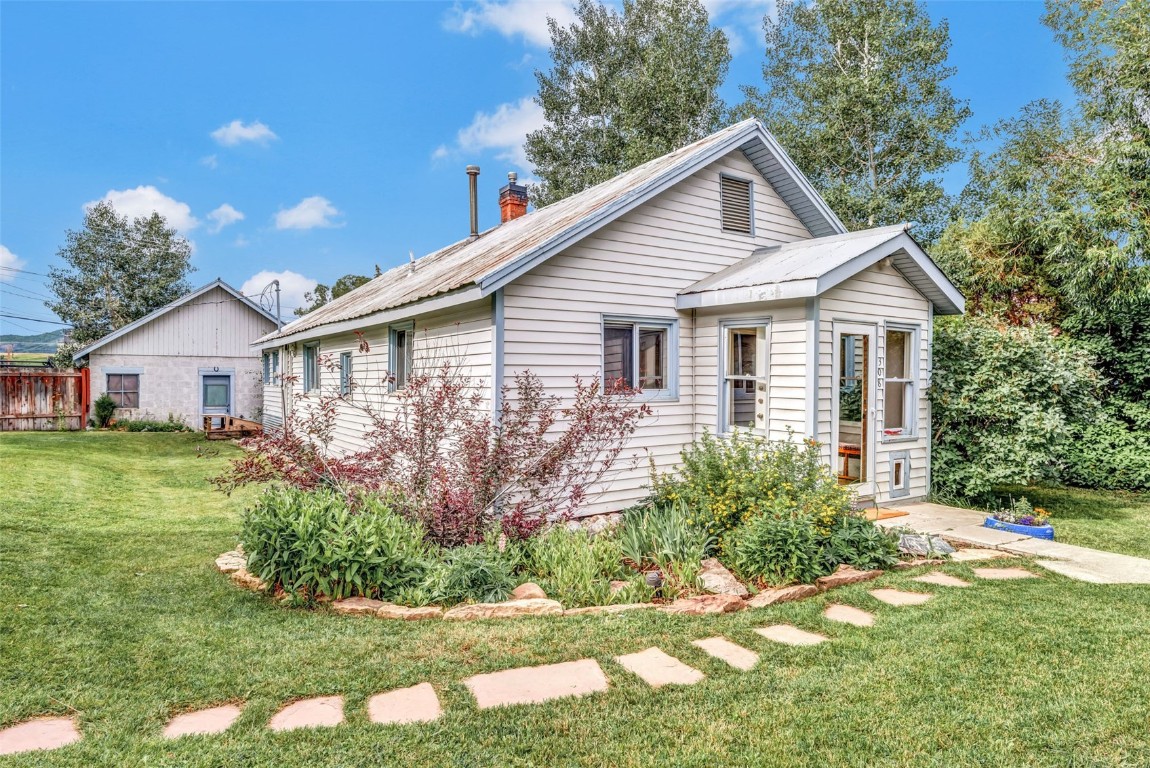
[[124, 389], [310, 367], [736, 205], [271, 365], [401, 345], [745, 376], [900, 396], [345, 373], [640, 354]]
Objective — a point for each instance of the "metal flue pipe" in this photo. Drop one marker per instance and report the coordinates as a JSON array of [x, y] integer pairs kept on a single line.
[[473, 186]]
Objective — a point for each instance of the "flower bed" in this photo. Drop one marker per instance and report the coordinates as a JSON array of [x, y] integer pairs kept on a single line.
[[1022, 518]]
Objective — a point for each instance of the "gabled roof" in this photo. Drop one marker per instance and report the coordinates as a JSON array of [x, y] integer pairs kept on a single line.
[[477, 267], [809, 268], [185, 299]]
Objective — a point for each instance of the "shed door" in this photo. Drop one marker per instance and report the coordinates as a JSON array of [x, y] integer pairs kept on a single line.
[[217, 395]]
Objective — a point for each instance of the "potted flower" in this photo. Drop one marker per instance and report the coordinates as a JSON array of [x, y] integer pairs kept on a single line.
[[1021, 517]]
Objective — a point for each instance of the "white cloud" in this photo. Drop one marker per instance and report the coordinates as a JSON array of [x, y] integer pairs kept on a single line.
[[293, 286], [504, 130], [510, 18], [237, 132], [144, 200], [311, 212], [241, 242], [9, 261], [211, 161], [223, 216]]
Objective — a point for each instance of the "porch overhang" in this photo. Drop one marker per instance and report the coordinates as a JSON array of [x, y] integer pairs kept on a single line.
[[809, 268]]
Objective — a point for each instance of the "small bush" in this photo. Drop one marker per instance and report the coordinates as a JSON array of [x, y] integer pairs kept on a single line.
[[1111, 452], [478, 573], [727, 481], [103, 408], [858, 542], [313, 543], [576, 568], [777, 549]]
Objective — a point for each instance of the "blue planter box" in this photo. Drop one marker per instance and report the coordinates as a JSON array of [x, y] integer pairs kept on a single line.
[[1037, 531]]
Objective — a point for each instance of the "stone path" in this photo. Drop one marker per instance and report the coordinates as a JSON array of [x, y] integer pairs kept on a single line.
[[509, 687], [965, 525]]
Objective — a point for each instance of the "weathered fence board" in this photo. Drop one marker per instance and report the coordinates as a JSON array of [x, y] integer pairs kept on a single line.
[[33, 399]]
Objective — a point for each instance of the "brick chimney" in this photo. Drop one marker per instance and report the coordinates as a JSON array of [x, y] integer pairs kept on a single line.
[[512, 199]]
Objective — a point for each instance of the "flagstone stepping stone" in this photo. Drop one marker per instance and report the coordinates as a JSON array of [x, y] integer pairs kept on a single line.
[[845, 575], [230, 562], [976, 553], [658, 669], [704, 605], [848, 614], [791, 635], [718, 580], [417, 704], [41, 733], [205, 721], [942, 579], [782, 595], [507, 610], [528, 591], [1003, 574], [320, 712], [532, 685], [898, 597], [357, 606], [732, 653]]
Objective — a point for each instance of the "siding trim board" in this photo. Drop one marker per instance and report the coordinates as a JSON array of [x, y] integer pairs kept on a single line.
[[498, 340]]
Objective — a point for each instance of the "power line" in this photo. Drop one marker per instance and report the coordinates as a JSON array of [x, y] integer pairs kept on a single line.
[[25, 271], [32, 319]]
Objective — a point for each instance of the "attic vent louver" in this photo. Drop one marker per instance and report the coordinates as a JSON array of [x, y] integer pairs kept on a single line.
[[735, 204]]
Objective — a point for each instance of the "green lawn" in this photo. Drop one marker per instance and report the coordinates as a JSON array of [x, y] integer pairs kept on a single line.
[[110, 608], [1109, 520]]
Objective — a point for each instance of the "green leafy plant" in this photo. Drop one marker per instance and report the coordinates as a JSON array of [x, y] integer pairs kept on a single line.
[[577, 568], [151, 425], [103, 408], [477, 572], [726, 481], [777, 549], [858, 542], [314, 543], [666, 537]]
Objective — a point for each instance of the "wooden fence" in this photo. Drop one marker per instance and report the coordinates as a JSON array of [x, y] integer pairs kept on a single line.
[[32, 399]]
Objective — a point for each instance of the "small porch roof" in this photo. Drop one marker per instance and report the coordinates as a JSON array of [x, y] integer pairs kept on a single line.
[[809, 268]]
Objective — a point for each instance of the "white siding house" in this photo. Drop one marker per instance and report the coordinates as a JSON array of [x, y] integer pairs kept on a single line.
[[186, 360], [713, 278]]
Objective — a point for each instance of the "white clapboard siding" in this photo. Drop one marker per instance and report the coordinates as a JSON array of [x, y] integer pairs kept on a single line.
[[877, 296], [635, 267], [216, 324], [462, 336]]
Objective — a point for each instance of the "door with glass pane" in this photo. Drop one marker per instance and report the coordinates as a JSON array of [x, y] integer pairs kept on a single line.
[[853, 405], [216, 396], [744, 397]]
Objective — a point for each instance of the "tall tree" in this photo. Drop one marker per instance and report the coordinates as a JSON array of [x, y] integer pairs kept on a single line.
[[116, 272], [624, 88], [855, 91], [323, 293]]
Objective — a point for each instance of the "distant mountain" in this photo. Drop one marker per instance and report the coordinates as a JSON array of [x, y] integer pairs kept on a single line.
[[37, 342]]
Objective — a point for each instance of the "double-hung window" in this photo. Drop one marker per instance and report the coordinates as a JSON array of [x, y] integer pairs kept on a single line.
[[641, 354], [744, 375], [124, 389], [267, 367], [401, 340], [310, 367], [900, 384], [345, 373]]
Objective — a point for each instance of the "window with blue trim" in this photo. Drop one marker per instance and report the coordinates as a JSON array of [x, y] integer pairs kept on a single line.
[[401, 340], [310, 367], [641, 354], [345, 373]]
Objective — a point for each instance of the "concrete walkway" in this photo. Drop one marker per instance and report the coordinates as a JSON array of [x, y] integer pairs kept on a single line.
[[965, 525]]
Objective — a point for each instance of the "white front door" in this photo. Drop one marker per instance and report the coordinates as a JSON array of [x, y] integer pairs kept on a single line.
[[853, 409]]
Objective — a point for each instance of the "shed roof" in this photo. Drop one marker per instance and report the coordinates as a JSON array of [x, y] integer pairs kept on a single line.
[[808, 268], [501, 254], [185, 299]]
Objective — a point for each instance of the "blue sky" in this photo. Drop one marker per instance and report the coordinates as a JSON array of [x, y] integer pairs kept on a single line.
[[312, 140]]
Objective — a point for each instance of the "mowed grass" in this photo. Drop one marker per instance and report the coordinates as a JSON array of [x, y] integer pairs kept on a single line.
[[110, 609], [1114, 521]]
